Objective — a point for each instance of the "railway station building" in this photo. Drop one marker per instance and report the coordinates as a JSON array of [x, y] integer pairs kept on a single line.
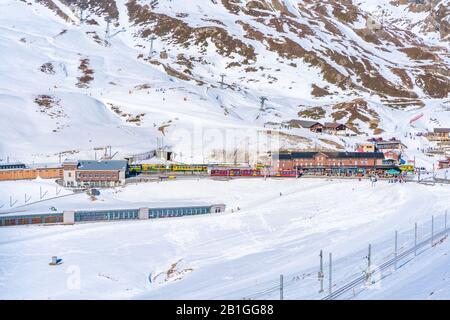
[[322, 162], [93, 173]]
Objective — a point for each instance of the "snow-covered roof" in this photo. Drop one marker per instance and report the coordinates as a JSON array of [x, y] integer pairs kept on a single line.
[[441, 130], [337, 155], [304, 123], [102, 165]]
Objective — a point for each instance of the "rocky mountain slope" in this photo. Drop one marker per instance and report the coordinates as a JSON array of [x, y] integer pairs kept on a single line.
[[80, 74]]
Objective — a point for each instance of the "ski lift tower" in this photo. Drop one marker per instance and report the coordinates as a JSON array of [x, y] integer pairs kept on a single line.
[[222, 76], [108, 34], [262, 100], [83, 7], [151, 52]]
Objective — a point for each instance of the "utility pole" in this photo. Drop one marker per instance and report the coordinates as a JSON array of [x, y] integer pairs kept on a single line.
[[432, 230], [396, 248], [222, 83], [415, 239], [330, 279], [281, 287], [369, 262], [107, 31], [445, 220], [321, 275]]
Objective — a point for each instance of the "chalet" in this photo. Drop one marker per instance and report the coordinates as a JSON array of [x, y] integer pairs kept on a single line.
[[310, 125], [392, 157], [328, 162], [441, 132], [334, 128], [444, 164], [392, 144], [365, 147], [92, 173]]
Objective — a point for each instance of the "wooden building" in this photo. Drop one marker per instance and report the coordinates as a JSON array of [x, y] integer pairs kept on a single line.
[[365, 147], [439, 134], [392, 157], [444, 164], [334, 128], [386, 145], [310, 125]]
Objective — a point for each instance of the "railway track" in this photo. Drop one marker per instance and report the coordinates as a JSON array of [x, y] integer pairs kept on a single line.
[[360, 280]]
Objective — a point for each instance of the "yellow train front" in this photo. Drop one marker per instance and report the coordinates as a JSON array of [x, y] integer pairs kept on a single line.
[[148, 167], [155, 167]]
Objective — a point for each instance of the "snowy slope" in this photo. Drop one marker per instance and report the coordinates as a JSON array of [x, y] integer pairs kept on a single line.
[[229, 255], [65, 89]]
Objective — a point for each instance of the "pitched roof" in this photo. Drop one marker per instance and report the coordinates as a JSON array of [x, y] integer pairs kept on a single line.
[[282, 156], [333, 125], [304, 123], [374, 155], [441, 130], [102, 165], [303, 155], [335, 155], [386, 142], [70, 162], [14, 165]]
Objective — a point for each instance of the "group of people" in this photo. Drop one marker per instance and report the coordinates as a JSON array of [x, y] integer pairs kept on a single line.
[[396, 179]]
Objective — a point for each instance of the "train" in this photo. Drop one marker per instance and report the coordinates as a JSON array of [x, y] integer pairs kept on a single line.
[[220, 170], [212, 170], [252, 173], [149, 167]]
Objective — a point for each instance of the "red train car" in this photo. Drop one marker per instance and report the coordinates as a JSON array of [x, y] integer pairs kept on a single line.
[[251, 173], [235, 172]]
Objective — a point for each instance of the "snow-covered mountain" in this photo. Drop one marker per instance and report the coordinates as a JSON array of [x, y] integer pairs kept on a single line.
[[82, 74]]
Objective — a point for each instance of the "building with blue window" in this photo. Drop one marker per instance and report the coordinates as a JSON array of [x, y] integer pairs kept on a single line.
[[78, 216]]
